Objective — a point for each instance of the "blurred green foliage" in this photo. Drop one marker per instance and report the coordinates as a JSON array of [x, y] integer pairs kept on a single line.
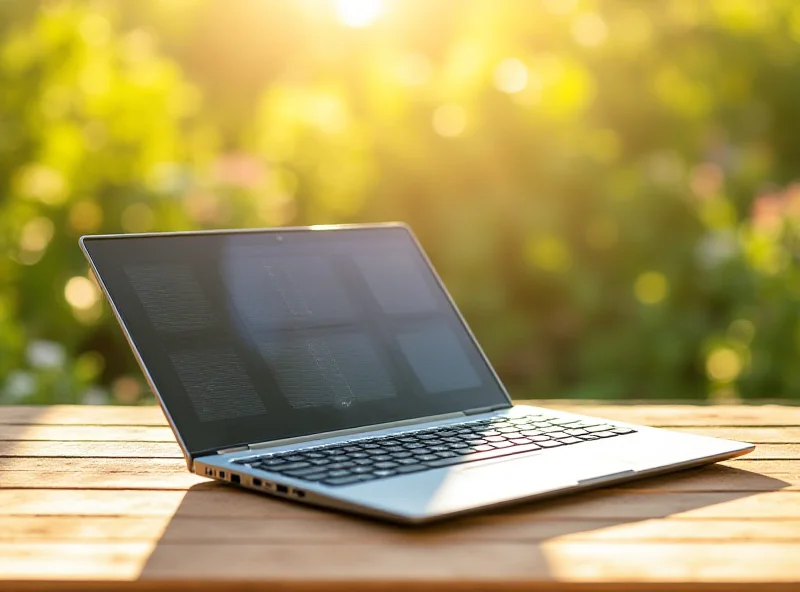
[[609, 188]]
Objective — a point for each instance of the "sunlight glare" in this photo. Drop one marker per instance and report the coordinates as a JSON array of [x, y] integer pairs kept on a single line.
[[358, 13], [511, 76]]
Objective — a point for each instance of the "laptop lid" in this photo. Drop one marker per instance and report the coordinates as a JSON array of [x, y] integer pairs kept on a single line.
[[253, 336]]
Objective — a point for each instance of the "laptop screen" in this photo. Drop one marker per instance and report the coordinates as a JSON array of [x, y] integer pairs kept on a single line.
[[257, 336]]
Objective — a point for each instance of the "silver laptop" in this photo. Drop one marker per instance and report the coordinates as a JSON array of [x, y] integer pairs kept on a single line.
[[329, 366]]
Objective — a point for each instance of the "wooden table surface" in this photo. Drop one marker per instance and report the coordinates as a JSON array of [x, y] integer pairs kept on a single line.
[[99, 498]]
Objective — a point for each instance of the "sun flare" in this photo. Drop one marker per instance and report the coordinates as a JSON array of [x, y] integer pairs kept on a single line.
[[358, 13]]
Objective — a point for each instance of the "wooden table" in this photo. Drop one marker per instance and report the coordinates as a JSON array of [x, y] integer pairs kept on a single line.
[[99, 498]]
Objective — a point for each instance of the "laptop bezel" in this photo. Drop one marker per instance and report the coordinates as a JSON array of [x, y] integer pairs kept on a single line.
[[188, 454]]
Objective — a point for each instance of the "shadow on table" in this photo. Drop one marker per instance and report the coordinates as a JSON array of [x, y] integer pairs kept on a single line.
[[222, 532]]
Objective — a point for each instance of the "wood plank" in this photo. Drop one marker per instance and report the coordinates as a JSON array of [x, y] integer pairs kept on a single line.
[[646, 413], [485, 565], [142, 475], [336, 530], [222, 501], [150, 415], [91, 433], [86, 433], [99, 480], [91, 449], [167, 466]]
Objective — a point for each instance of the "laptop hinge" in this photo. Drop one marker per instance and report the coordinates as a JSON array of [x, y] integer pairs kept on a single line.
[[349, 431], [234, 449], [480, 410]]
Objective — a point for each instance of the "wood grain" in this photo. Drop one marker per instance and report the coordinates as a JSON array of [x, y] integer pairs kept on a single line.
[[332, 529], [105, 473], [224, 501], [101, 494]]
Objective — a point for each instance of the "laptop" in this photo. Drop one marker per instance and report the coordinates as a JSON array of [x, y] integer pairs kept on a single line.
[[330, 366]]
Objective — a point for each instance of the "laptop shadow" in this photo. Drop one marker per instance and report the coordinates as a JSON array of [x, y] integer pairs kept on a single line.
[[222, 533]]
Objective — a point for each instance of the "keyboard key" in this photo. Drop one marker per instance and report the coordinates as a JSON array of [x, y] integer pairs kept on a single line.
[[484, 448], [361, 470], [576, 432], [446, 462], [496, 439], [426, 457], [418, 451], [561, 422], [550, 444], [404, 454], [407, 461], [623, 430], [381, 457], [446, 454], [502, 444], [314, 477], [570, 440], [521, 441], [598, 428], [341, 473], [271, 461], [287, 466], [344, 480], [558, 435], [384, 473], [340, 465], [608, 434], [301, 472], [385, 465]]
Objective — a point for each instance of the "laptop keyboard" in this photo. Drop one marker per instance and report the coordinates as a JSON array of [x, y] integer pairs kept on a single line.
[[382, 457]]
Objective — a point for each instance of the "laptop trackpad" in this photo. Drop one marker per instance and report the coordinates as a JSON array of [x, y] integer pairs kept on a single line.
[[533, 474]]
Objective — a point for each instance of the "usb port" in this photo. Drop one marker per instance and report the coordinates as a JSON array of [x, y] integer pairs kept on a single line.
[[282, 489], [257, 482], [235, 478]]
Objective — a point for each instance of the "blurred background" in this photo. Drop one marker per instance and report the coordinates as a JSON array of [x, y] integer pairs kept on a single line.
[[609, 188]]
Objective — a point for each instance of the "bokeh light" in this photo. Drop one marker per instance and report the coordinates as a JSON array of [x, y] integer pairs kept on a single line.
[[651, 287], [449, 120], [724, 365], [81, 293], [358, 13], [511, 76]]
